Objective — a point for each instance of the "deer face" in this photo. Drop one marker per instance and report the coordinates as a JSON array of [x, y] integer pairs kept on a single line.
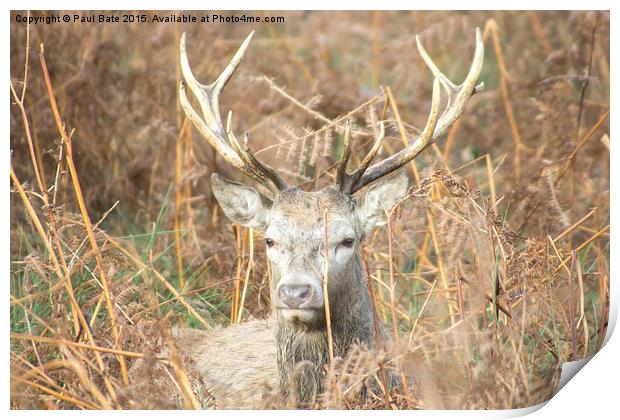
[[307, 234], [300, 245]]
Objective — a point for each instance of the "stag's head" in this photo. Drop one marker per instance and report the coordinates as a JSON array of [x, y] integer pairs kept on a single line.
[[315, 235]]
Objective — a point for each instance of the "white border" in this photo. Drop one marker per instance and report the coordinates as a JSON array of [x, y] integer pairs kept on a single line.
[[314, 5], [594, 393]]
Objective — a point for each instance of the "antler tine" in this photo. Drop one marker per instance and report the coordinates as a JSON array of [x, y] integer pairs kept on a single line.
[[433, 117], [210, 124], [341, 173], [422, 141], [373, 151], [344, 180], [436, 125], [208, 95], [213, 137], [445, 82], [223, 79], [260, 171]]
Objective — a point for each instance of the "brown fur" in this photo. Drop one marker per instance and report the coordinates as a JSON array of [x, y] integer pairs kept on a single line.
[[237, 365]]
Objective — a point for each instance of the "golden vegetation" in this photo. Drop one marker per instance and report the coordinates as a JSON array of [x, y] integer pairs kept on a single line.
[[493, 270]]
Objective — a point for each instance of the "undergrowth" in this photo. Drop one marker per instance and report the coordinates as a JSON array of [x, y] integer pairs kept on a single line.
[[500, 250]]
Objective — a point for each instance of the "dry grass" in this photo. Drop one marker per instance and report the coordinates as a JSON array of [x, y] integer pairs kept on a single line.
[[493, 271]]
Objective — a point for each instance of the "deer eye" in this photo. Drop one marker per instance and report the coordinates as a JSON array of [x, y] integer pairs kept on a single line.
[[348, 242], [269, 242]]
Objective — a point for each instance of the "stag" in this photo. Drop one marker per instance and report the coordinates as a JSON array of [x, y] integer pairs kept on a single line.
[[310, 237]]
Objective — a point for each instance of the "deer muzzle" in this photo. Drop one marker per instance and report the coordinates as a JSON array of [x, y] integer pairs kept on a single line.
[[298, 293]]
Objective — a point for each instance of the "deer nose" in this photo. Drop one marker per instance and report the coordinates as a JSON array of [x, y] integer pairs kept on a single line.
[[294, 296]]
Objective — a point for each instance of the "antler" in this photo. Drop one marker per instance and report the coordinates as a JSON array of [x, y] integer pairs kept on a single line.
[[436, 125], [345, 181], [210, 125]]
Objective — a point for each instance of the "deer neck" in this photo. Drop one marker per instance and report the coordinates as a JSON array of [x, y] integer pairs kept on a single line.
[[303, 351]]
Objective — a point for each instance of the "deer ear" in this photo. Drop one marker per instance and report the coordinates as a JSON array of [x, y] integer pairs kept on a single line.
[[379, 200], [243, 205]]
